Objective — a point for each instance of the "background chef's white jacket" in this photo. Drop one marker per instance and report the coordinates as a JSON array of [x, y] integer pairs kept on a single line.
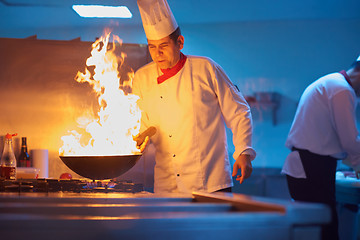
[[189, 111], [325, 124]]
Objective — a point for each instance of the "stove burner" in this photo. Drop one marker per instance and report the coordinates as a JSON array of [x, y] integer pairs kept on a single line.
[[113, 186], [65, 185]]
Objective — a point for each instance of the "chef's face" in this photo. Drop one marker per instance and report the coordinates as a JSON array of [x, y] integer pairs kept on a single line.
[[166, 52]]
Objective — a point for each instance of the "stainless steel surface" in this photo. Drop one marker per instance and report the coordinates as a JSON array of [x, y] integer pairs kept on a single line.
[[348, 200], [144, 215], [49, 185], [348, 191]]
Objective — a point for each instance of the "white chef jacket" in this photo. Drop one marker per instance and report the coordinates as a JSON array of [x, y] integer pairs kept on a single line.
[[324, 124], [189, 111]]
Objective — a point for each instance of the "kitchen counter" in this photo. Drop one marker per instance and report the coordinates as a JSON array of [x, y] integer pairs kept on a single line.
[[348, 199], [146, 215], [348, 190]]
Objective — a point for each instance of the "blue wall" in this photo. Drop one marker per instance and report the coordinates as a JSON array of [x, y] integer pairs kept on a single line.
[[259, 56], [276, 56]]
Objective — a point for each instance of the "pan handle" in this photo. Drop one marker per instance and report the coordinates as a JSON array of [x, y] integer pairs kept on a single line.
[[147, 133]]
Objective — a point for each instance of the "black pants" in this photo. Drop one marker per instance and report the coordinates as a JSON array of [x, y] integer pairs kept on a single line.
[[318, 187], [229, 189]]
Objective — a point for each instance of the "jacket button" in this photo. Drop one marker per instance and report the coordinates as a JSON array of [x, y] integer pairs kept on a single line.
[[178, 175], [170, 135], [174, 155], [161, 97]]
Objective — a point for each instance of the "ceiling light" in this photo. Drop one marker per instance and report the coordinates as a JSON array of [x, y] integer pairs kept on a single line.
[[100, 11]]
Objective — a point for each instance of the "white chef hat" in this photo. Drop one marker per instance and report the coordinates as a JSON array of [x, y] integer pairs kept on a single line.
[[157, 18]]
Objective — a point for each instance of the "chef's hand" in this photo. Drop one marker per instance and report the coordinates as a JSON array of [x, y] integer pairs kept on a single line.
[[243, 162], [357, 174], [143, 138], [142, 145]]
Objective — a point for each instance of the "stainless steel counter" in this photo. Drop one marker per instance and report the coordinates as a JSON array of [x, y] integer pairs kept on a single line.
[[348, 198], [153, 216]]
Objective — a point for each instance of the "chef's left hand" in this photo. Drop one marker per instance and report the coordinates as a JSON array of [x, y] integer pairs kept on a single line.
[[243, 162]]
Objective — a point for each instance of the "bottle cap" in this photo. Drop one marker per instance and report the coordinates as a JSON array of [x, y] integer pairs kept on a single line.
[[9, 136]]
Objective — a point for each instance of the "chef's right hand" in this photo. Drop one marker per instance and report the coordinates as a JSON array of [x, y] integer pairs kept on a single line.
[[143, 138], [141, 146]]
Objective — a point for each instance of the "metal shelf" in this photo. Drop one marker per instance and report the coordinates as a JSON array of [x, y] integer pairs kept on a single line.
[[264, 101]]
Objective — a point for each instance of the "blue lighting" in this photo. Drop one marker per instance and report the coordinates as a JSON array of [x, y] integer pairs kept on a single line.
[[100, 11]]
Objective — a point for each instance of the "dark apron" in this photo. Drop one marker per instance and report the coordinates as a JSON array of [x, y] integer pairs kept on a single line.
[[318, 187]]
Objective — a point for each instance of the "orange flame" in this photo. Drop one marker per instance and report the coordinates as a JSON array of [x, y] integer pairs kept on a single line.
[[118, 119]]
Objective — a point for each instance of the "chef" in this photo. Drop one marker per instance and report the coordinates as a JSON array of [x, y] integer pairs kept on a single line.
[[323, 131], [189, 99]]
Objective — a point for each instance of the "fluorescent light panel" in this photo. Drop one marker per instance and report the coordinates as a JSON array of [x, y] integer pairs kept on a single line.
[[100, 11]]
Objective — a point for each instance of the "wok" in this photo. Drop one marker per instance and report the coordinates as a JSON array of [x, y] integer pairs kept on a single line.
[[100, 167], [106, 167]]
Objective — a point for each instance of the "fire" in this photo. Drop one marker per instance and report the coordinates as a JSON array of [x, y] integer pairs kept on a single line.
[[111, 130]]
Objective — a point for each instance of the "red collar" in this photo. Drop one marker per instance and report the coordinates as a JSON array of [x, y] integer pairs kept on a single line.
[[343, 72], [168, 73]]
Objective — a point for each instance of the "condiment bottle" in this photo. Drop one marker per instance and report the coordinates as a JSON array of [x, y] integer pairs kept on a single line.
[[24, 158], [8, 160]]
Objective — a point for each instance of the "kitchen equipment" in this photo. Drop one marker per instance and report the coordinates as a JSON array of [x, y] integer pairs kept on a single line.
[[106, 167], [348, 202], [40, 160], [101, 167], [27, 173], [72, 186], [143, 215]]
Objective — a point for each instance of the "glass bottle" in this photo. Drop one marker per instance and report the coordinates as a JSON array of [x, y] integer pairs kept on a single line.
[[24, 157], [8, 160]]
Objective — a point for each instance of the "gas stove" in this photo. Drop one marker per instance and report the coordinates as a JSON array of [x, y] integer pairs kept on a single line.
[[65, 185]]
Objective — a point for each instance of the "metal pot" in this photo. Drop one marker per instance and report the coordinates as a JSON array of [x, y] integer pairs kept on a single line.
[[100, 167]]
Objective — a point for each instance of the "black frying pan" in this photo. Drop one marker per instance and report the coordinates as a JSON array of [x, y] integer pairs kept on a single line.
[[106, 167], [100, 167]]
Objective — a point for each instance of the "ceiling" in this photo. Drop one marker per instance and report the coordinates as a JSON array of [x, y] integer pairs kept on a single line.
[[54, 13]]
